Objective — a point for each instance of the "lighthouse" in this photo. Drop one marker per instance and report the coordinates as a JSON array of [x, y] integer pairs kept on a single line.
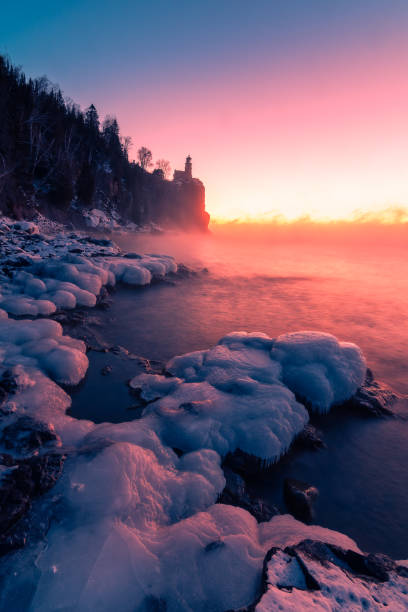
[[186, 175], [188, 168]]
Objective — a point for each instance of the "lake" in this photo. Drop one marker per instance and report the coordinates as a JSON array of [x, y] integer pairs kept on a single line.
[[354, 287]]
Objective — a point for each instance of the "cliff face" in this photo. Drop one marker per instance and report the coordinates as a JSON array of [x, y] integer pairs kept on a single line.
[[59, 161], [179, 204]]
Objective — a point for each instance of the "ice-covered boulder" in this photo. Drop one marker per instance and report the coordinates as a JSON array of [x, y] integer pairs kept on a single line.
[[231, 397], [260, 419], [153, 386], [20, 305], [67, 270], [40, 344], [317, 367]]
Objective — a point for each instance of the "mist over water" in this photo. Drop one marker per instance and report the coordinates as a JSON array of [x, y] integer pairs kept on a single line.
[[352, 284], [349, 282]]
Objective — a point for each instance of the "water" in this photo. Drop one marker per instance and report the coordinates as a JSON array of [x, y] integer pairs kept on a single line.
[[356, 289]]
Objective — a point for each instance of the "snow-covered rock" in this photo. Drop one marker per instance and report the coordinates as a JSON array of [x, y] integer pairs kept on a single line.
[[239, 394], [60, 271], [317, 575], [318, 368], [40, 344]]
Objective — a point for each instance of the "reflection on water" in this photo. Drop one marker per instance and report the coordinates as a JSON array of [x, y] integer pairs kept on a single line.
[[358, 292]]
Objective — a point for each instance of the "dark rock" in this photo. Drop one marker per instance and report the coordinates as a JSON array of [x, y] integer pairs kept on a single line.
[[309, 438], [193, 407], [246, 464], [26, 435], [379, 566], [103, 300], [3, 395], [25, 480], [235, 493], [8, 382], [235, 485], [119, 350], [402, 570], [132, 256], [71, 317], [18, 262], [215, 545], [151, 366], [373, 565], [314, 549], [97, 241], [299, 497], [106, 370], [373, 398], [6, 460]]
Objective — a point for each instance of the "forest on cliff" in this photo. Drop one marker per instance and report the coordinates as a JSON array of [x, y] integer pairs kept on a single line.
[[59, 160]]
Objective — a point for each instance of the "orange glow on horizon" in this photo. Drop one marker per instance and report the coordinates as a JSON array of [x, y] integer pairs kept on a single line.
[[393, 215], [322, 135]]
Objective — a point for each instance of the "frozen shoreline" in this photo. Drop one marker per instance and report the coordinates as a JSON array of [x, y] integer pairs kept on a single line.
[[123, 490]]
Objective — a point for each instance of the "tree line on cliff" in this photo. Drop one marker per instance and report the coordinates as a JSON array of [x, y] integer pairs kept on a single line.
[[58, 159]]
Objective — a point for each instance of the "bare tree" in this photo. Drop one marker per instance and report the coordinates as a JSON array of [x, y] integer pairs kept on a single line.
[[126, 142], [145, 157], [164, 166]]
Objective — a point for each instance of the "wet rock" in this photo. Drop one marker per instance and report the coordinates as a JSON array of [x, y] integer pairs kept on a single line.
[[71, 317], [310, 439], [235, 493], [106, 370], [22, 481], [246, 464], [119, 350], [151, 366], [103, 300], [299, 498], [97, 241], [373, 398], [26, 435]]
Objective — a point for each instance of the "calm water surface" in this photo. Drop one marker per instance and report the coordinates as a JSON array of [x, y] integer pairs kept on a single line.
[[359, 292]]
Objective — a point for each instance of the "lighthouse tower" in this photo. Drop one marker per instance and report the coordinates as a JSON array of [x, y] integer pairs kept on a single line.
[[186, 175], [188, 168]]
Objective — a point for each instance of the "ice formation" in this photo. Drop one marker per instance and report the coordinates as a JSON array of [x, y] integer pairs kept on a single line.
[[239, 394], [318, 368], [135, 525], [64, 271]]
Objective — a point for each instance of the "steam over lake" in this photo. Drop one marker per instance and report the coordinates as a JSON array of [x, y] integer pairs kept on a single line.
[[356, 290]]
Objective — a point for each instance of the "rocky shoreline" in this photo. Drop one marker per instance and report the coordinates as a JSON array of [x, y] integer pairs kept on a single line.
[[208, 421]]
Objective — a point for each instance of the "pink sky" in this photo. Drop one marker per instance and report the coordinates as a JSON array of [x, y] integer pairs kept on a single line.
[[322, 138], [296, 108]]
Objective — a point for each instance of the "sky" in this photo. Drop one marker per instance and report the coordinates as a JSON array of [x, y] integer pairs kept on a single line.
[[287, 107]]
